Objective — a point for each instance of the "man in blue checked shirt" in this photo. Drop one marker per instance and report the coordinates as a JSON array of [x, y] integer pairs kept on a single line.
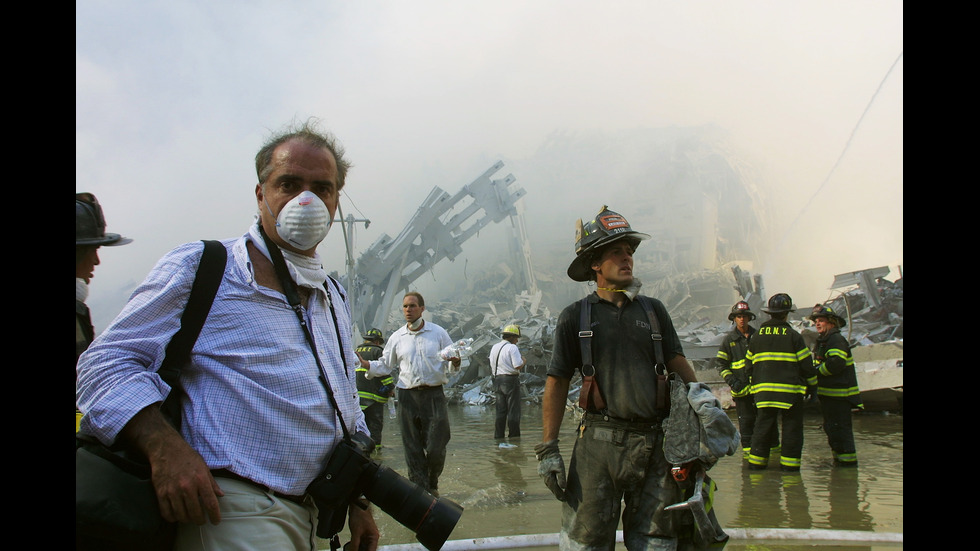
[[257, 424]]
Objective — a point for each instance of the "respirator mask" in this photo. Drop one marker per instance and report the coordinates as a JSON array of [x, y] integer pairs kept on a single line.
[[304, 221]]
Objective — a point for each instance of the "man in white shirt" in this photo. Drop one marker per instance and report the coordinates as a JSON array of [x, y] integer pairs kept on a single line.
[[416, 349], [505, 367]]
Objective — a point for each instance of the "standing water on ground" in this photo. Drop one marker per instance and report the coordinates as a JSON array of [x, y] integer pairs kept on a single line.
[[497, 483]]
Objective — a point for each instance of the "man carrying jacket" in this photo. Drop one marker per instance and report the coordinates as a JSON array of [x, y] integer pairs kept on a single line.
[[780, 367], [619, 445], [837, 385]]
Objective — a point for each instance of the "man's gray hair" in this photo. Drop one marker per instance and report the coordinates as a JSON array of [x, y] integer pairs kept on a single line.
[[308, 133]]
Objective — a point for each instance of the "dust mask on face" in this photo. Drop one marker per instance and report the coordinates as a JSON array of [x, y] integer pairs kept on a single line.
[[304, 221]]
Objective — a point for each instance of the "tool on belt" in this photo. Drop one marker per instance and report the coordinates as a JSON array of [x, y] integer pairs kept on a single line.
[[590, 397], [705, 522]]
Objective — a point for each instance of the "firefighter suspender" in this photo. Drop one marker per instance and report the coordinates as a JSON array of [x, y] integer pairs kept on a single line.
[[660, 368], [590, 396]]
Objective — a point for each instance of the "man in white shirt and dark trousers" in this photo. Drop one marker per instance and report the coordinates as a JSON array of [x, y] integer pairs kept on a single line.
[[416, 349], [505, 367]]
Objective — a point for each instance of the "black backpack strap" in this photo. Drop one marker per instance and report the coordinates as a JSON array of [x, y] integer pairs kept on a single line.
[[210, 272]]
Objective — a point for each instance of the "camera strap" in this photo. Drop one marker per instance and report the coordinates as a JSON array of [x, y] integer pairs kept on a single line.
[[292, 296]]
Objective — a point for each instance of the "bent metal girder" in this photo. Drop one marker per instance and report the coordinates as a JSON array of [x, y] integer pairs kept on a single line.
[[389, 266]]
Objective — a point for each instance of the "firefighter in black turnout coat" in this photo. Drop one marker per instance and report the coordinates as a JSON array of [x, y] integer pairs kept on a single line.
[[837, 386], [730, 362], [373, 393], [781, 369]]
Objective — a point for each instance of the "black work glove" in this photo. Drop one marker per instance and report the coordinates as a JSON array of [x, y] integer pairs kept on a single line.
[[735, 384], [811, 393], [551, 467]]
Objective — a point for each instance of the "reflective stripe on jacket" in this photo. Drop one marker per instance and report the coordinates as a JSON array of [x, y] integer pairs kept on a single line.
[[836, 376], [371, 390], [779, 365], [730, 360]]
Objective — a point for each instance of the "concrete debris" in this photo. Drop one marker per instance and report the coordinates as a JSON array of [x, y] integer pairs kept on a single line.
[[698, 303], [873, 309], [687, 271]]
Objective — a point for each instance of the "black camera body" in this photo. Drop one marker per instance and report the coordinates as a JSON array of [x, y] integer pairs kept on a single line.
[[350, 472]]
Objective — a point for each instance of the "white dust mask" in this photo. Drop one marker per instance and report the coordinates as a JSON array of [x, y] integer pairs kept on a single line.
[[304, 221]]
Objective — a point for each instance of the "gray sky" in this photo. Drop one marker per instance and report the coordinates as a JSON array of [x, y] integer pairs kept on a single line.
[[174, 98]]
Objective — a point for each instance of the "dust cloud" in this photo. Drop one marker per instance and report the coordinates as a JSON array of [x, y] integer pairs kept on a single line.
[[617, 103]]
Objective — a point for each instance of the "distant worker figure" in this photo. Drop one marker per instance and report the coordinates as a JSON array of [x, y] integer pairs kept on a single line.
[[837, 386], [730, 362], [780, 367], [415, 350], [618, 453], [373, 393], [506, 363], [90, 234]]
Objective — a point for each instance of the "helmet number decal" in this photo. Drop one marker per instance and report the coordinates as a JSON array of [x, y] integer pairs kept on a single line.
[[613, 221]]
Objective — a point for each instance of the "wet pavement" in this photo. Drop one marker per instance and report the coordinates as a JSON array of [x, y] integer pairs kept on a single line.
[[502, 495]]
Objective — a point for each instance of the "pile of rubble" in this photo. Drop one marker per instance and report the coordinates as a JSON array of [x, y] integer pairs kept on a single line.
[[483, 323], [872, 305]]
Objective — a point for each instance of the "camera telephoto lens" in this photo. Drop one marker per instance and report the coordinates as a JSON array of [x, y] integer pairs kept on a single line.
[[431, 518]]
